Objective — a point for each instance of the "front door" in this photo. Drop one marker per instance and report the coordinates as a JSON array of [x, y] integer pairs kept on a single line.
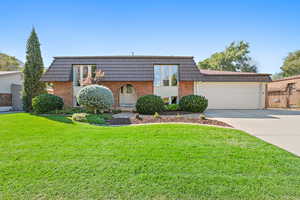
[[127, 96]]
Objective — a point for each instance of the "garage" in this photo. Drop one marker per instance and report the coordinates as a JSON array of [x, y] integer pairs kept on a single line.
[[232, 95]]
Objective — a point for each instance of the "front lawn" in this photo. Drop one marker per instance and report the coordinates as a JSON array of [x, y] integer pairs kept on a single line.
[[44, 157]]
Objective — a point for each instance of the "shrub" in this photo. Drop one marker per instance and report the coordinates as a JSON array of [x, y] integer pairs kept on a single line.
[[95, 97], [95, 119], [80, 117], [202, 117], [156, 116], [149, 104], [193, 103], [138, 117], [88, 118], [172, 107], [47, 102]]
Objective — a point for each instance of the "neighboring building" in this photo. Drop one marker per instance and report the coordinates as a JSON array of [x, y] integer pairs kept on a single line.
[[10, 90], [284, 93], [170, 77]]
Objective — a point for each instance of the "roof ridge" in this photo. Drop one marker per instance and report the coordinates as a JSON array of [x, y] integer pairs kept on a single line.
[[230, 73], [121, 56]]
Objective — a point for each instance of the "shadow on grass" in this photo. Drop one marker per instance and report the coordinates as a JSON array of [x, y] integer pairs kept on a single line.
[[58, 118]]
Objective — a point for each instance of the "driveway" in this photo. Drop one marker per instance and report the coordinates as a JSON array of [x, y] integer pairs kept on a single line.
[[278, 127]]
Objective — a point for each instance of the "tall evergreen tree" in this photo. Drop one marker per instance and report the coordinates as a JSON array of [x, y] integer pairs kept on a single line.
[[33, 71]]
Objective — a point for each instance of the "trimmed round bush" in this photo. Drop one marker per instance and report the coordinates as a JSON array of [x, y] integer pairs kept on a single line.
[[47, 102], [95, 98], [149, 104], [193, 103]]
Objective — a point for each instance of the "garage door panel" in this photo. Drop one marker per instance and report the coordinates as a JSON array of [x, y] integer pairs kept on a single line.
[[231, 95]]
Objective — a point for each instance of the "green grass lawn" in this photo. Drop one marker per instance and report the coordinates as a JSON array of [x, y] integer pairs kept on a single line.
[[55, 158]]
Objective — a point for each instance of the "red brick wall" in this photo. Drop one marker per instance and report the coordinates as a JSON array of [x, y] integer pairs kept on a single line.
[[65, 91], [141, 88], [186, 88]]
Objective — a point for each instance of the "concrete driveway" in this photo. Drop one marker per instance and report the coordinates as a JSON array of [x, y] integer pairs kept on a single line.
[[278, 127]]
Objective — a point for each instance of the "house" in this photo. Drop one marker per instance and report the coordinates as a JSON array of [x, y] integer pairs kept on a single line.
[[10, 90], [284, 93], [170, 77]]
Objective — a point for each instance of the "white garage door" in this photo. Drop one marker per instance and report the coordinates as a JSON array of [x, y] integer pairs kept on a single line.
[[232, 95]]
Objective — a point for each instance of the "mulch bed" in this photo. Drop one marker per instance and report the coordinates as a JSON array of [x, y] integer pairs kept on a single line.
[[119, 121], [150, 119]]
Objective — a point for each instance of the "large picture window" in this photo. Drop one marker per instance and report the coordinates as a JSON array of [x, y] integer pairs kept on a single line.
[[81, 72], [165, 75]]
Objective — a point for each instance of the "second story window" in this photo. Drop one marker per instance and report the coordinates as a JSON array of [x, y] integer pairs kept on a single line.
[[82, 72], [165, 75]]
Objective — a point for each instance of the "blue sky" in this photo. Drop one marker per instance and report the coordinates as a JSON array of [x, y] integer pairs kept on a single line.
[[197, 28]]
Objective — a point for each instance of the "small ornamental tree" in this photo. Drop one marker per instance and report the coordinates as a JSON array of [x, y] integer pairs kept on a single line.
[[95, 98], [33, 71]]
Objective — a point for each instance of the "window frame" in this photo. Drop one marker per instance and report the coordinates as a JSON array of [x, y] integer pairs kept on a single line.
[[78, 72], [160, 68]]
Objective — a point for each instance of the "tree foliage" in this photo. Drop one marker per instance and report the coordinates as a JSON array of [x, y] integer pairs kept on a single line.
[[9, 63], [291, 64], [234, 58], [277, 76], [33, 71]]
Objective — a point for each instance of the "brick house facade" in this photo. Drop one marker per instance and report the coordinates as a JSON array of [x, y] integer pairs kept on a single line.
[[170, 77]]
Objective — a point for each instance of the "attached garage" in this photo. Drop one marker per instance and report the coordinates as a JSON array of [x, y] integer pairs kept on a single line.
[[232, 95]]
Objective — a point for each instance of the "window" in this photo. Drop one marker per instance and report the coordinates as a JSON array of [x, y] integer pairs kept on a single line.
[[127, 89], [81, 72], [85, 72], [93, 71], [173, 100], [165, 75]]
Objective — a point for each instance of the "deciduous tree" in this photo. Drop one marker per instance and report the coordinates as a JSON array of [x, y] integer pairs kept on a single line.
[[291, 64], [9, 63], [234, 58]]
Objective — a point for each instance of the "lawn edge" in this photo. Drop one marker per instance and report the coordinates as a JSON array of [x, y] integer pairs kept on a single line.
[[183, 123]]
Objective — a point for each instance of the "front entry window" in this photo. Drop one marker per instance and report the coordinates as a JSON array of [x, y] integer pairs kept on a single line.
[[166, 83]]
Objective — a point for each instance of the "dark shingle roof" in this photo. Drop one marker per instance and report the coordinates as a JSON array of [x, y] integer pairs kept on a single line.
[[122, 68], [140, 68]]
